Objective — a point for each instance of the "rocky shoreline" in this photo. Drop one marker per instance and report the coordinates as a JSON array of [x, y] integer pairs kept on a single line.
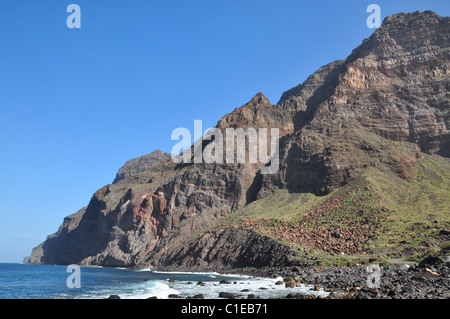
[[398, 281], [429, 279]]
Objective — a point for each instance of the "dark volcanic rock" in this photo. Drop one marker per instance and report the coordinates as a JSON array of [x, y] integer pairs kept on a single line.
[[226, 295], [198, 296], [230, 248]]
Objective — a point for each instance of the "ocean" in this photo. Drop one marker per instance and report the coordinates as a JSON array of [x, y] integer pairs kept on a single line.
[[23, 281]]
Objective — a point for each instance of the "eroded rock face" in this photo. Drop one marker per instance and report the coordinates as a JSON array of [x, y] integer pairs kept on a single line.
[[141, 164], [341, 120], [229, 248], [395, 85]]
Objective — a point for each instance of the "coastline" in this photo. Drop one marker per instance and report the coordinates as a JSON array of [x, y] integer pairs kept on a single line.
[[401, 280], [429, 279]]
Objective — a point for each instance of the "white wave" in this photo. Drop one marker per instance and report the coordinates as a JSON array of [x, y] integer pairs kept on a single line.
[[211, 274], [143, 269], [241, 287], [263, 287], [157, 289], [185, 272]]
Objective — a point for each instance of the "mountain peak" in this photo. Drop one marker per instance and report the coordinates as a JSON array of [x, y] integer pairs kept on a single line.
[[141, 164], [404, 34], [402, 16], [259, 98]]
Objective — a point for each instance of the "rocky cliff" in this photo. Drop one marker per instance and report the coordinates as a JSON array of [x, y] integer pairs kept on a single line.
[[364, 148], [141, 164]]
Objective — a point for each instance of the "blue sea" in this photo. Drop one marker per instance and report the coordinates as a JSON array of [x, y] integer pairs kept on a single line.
[[23, 281]]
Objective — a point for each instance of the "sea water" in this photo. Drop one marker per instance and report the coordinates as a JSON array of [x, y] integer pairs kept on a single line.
[[19, 281]]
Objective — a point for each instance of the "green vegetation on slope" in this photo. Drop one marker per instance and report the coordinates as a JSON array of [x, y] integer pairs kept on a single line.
[[397, 217]]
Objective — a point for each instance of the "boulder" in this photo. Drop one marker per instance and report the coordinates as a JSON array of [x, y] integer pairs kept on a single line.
[[291, 284], [226, 295]]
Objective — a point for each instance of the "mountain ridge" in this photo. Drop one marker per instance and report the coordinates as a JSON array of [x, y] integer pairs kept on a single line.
[[376, 116]]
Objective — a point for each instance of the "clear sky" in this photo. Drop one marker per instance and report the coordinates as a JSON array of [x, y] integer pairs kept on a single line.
[[75, 104]]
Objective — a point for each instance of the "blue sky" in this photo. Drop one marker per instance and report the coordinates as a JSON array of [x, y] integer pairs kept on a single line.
[[75, 104]]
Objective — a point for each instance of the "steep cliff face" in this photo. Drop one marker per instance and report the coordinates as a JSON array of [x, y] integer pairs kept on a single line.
[[395, 84], [384, 108], [141, 164], [229, 248]]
